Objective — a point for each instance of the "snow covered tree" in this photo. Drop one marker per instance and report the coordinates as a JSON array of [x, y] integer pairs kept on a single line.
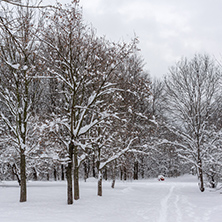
[[160, 158], [192, 91], [18, 95], [83, 64], [133, 102], [108, 147]]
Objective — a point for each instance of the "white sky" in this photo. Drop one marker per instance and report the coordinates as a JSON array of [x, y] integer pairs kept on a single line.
[[167, 29]]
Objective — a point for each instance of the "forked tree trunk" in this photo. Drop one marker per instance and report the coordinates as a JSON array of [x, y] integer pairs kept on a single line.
[[23, 189], [76, 174], [100, 184], [69, 175]]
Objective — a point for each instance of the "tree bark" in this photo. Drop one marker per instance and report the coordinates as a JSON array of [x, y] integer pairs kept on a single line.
[[114, 174], [69, 175], [35, 177], [113, 183], [124, 173], [23, 189], [121, 173], [136, 170], [76, 174], [142, 168], [86, 173], [100, 184], [200, 170], [105, 174], [62, 171], [93, 166], [15, 173], [55, 173]]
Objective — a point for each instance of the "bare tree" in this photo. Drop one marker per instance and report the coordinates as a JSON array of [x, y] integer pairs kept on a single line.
[[17, 89], [83, 64], [191, 91]]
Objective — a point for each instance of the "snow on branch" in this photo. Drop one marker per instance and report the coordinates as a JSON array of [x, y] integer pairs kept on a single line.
[[189, 160], [102, 165], [81, 159], [18, 3], [84, 129], [165, 141], [179, 133], [139, 152], [83, 146], [9, 102], [8, 124]]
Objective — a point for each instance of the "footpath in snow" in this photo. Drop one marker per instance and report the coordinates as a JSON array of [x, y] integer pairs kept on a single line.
[[173, 200]]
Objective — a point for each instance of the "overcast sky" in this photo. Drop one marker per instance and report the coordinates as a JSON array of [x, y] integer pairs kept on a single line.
[[167, 29]]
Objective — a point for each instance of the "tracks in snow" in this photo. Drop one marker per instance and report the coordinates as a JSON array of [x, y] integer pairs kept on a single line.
[[176, 207], [170, 202], [169, 208]]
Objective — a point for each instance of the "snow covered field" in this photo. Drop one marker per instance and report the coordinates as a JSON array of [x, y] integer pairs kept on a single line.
[[174, 200]]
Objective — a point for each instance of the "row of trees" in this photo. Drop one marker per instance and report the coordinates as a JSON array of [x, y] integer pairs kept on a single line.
[[61, 87], [76, 105]]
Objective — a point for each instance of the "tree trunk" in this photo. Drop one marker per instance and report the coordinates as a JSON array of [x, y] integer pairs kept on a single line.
[[15, 173], [121, 173], [114, 174], [69, 183], [35, 177], [201, 176], [93, 166], [212, 181], [62, 169], [124, 173], [113, 183], [88, 166], [136, 170], [69, 175], [100, 184], [55, 173], [86, 174], [142, 168], [105, 174], [23, 189], [76, 174], [200, 170]]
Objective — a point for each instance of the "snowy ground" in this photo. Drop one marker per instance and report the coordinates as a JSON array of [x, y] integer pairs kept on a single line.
[[174, 200]]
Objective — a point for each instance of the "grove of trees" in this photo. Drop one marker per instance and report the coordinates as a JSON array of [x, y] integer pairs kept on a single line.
[[74, 105]]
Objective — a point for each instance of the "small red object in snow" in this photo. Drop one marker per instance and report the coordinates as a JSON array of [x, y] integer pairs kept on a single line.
[[161, 178]]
